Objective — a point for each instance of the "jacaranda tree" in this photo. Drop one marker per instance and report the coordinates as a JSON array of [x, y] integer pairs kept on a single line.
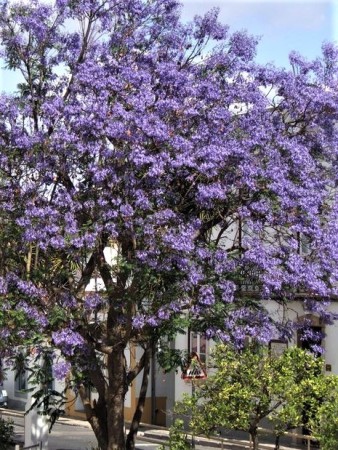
[[165, 142]]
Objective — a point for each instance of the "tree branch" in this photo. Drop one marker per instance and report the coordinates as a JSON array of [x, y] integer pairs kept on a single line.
[[132, 374]]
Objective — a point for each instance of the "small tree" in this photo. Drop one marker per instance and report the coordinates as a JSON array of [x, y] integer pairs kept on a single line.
[[251, 385], [178, 439], [324, 423]]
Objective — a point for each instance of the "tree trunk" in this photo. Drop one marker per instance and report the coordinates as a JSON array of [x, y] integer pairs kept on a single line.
[[117, 388], [99, 423], [277, 442], [106, 414], [130, 444], [254, 438], [96, 414]]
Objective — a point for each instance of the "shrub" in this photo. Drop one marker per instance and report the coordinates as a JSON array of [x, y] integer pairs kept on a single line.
[[6, 434]]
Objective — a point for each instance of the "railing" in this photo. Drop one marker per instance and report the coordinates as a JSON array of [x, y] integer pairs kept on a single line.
[[303, 437], [35, 446], [226, 443]]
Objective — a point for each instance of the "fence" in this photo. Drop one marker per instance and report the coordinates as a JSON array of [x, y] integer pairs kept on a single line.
[[35, 446], [226, 443]]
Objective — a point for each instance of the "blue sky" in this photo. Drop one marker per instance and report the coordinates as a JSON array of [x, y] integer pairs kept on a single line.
[[283, 25]]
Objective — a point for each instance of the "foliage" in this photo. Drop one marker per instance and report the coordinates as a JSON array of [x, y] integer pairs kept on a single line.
[[6, 433], [177, 437], [251, 385], [150, 173], [324, 424]]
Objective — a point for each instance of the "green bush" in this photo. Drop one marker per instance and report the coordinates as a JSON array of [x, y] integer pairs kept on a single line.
[[6, 434]]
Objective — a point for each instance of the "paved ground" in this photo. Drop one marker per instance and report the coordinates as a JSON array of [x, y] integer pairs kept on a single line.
[[69, 434], [66, 434]]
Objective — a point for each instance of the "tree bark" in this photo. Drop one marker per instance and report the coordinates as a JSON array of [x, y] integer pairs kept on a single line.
[[96, 415], [254, 438], [277, 442], [106, 414], [130, 444], [99, 423], [116, 391]]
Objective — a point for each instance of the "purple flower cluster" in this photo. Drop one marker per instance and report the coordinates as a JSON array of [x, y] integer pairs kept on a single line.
[[61, 369], [68, 341], [93, 301], [206, 295], [32, 312]]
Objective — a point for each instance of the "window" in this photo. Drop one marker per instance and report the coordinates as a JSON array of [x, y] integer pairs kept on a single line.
[[198, 344], [48, 378], [277, 347], [21, 380], [304, 244], [20, 373], [310, 334], [312, 339]]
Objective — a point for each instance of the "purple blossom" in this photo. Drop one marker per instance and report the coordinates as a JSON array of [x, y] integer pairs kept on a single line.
[[195, 275], [208, 25], [93, 301], [227, 289], [243, 46], [126, 210], [163, 314], [139, 321], [33, 313], [67, 300], [153, 321], [68, 341], [61, 369], [29, 289], [206, 295]]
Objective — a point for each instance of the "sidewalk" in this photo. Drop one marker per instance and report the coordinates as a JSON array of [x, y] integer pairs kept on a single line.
[[5, 412]]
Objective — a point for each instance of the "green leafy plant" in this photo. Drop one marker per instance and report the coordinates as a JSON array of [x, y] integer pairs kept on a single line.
[[324, 423], [6, 434], [178, 439]]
